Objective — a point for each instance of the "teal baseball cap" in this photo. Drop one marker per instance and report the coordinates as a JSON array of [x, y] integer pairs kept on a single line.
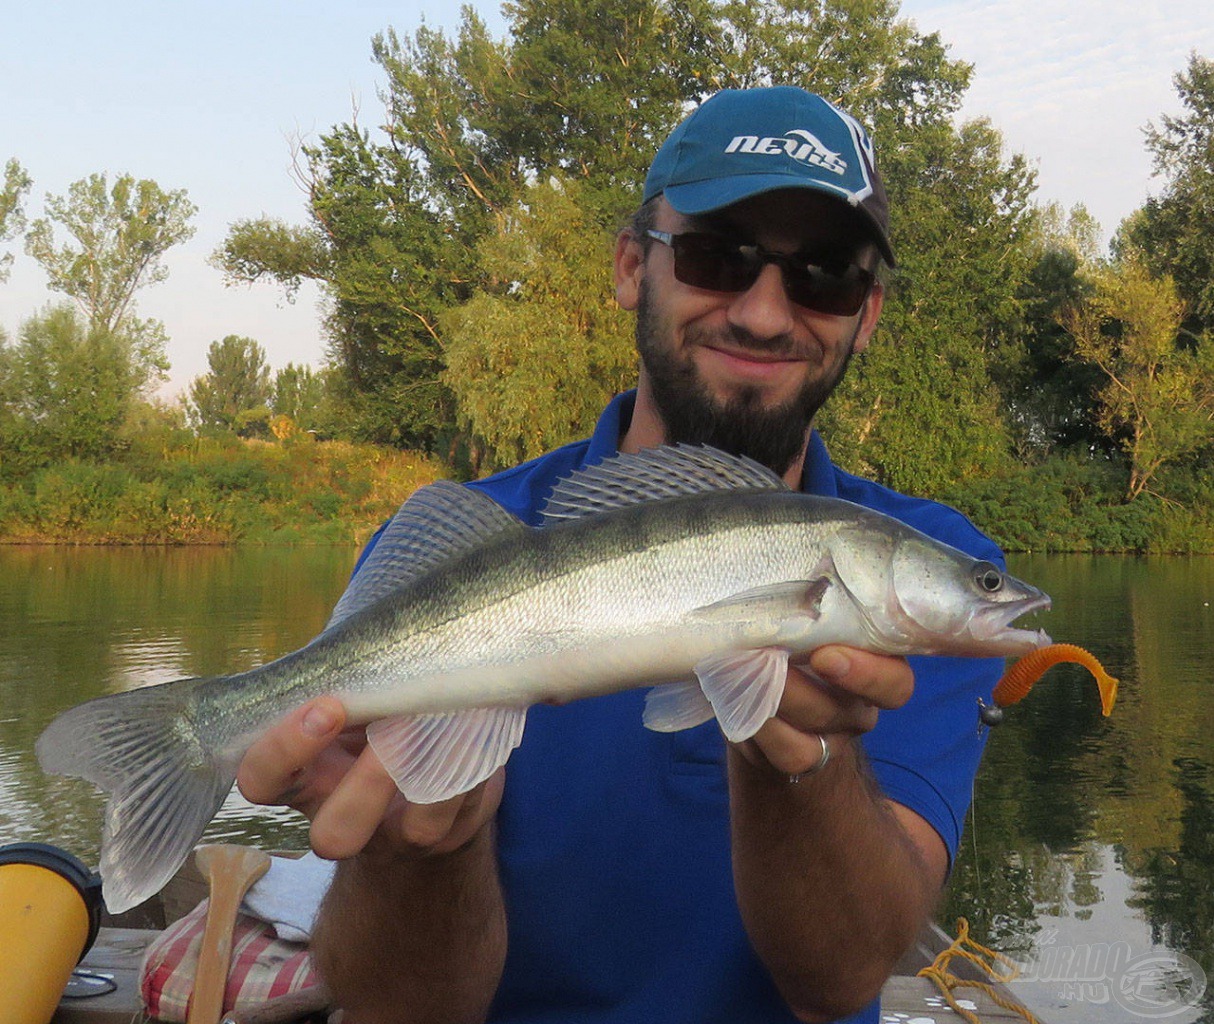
[[742, 142]]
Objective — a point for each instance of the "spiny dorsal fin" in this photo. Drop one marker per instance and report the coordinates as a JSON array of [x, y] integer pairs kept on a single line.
[[653, 474], [435, 523]]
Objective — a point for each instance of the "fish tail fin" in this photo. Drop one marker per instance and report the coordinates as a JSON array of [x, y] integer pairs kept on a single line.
[[164, 782]]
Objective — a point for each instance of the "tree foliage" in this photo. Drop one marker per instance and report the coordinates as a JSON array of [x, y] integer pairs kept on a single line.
[[534, 357], [117, 237], [1048, 393], [1157, 400], [421, 237], [920, 409], [234, 394], [309, 399], [65, 390], [1174, 231], [12, 216]]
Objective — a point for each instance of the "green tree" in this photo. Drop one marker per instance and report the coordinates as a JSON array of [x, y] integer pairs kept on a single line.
[[12, 217], [234, 394], [533, 359], [1157, 400], [920, 410], [118, 235], [307, 398], [1049, 394], [66, 389], [583, 93], [1174, 231]]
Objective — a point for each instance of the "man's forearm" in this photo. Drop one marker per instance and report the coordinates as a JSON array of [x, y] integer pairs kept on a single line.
[[414, 940], [831, 889]]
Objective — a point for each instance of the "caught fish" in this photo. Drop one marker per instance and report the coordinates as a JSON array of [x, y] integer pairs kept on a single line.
[[683, 569]]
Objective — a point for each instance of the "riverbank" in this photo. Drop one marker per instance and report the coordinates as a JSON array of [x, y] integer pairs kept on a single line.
[[215, 490], [222, 489]]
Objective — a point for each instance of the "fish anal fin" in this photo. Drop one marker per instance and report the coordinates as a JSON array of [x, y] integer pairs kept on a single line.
[[744, 688], [673, 707], [435, 757]]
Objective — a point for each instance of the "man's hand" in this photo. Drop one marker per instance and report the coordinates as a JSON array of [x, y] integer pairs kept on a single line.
[[833, 880], [413, 927], [311, 762], [837, 695]]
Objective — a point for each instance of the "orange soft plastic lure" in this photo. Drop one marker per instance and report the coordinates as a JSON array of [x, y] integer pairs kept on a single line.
[[1019, 679]]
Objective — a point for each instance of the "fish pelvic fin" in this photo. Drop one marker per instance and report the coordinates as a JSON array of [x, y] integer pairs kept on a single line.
[[435, 757], [164, 784], [741, 688], [744, 688]]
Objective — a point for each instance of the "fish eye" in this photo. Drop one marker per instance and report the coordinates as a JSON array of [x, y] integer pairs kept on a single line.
[[988, 577]]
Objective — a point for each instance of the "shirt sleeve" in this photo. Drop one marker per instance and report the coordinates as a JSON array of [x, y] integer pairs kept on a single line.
[[925, 754]]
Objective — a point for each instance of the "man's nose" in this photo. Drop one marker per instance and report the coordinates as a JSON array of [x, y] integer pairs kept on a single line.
[[764, 309]]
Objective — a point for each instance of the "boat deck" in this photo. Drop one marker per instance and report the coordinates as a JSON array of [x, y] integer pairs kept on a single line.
[[119, 951]]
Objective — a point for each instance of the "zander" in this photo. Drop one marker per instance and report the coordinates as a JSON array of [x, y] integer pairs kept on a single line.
[[684, 569]]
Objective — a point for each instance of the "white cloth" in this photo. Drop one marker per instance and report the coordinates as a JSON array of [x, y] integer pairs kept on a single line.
[[288, 895]]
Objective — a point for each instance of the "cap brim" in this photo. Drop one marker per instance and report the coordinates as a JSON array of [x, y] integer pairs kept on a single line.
[[699, 197]]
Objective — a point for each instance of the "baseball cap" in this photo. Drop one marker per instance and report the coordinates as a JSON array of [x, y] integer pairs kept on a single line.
[[743, 142]]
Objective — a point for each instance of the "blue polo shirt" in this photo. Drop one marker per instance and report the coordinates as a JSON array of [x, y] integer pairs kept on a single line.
[[614, 840]]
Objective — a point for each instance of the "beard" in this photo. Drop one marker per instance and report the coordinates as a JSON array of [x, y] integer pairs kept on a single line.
[[741, 424]]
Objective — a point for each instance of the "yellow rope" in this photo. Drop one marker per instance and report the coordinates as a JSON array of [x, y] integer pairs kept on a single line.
[[987, 961]]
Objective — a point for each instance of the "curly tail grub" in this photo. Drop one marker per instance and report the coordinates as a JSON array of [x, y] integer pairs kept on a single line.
[[1019, 679]]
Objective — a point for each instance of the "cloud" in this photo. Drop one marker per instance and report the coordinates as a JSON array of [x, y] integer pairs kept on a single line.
[[1072, 87]]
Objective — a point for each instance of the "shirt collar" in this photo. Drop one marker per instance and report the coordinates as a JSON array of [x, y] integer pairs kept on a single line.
[[818, 476]]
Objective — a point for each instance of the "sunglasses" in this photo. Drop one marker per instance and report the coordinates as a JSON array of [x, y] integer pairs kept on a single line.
[[709, 261]]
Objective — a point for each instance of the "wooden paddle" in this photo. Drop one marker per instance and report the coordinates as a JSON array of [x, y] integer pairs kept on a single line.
[[229, 871]]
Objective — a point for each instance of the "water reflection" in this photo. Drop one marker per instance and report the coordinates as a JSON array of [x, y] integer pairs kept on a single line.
[[1086, 832], [79, 622]]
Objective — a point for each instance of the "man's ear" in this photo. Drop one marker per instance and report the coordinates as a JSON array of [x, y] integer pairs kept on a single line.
[[629, 268], [869, 317]]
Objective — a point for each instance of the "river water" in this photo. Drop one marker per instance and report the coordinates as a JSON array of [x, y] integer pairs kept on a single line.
[[1090, 853]]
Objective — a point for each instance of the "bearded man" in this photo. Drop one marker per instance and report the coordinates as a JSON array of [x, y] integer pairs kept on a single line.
[[611, 874]]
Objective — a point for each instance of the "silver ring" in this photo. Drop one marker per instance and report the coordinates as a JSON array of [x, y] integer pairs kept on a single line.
[[822, 762]]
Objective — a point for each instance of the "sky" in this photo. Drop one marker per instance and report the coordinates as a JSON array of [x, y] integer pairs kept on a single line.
[[213, 97]]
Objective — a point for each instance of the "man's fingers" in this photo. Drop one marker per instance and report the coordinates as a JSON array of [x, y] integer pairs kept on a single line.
[[352, 813], [272, 769], [789, 750], [880, 679]]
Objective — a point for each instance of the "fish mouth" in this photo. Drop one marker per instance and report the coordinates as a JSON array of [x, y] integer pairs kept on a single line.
[[993, 628]]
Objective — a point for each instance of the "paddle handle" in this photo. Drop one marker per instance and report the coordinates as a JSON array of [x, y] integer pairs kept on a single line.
[[230, 879]]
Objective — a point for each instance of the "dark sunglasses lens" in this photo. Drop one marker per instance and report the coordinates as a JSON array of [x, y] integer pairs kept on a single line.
[[839, 294], [704, 261], [707, 261]]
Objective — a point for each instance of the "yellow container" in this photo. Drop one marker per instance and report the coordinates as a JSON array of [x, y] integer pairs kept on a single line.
[[50, 910]]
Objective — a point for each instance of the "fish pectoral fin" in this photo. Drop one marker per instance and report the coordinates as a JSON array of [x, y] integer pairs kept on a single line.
[[744, 688], [435, 757], [673, 707], [795, 597]]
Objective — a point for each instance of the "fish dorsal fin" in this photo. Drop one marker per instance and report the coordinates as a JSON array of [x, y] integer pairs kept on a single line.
[[435, 523], [653, 474]]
